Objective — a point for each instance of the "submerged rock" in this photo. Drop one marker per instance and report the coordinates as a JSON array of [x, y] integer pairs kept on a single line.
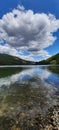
[[53, 118], [24, 121]]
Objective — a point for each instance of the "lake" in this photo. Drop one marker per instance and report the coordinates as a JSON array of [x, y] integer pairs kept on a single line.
[[25, 93]]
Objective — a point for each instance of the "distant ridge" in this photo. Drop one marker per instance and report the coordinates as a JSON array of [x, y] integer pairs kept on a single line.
[[6, 59], [52, 60]]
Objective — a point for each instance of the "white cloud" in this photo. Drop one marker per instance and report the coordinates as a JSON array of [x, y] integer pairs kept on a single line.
[[25, 30], [12, 51], [19, 7], [8, 50]]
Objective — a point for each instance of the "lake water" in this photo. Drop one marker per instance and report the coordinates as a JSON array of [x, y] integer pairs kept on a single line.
[[28, 91]]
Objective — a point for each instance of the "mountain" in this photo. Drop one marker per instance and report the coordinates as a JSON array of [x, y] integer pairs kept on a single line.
[[52, 60], [6, 59]]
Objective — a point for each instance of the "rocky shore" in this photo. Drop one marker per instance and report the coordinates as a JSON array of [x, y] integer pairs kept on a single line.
[[23, 121]]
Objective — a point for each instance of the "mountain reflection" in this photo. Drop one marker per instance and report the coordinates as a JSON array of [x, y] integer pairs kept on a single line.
[[10, 76]]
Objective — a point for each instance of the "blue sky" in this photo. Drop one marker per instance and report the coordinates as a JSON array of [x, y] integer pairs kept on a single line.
[[37, 6]]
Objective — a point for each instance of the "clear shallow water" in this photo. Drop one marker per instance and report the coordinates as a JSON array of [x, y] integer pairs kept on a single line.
[[29, 89]]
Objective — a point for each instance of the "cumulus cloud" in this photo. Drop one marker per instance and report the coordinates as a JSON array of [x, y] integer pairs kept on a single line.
[[8, 50], [19, 7], [25, 30]]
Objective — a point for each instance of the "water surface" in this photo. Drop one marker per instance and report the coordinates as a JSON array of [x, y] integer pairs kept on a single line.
[[30, 90]]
